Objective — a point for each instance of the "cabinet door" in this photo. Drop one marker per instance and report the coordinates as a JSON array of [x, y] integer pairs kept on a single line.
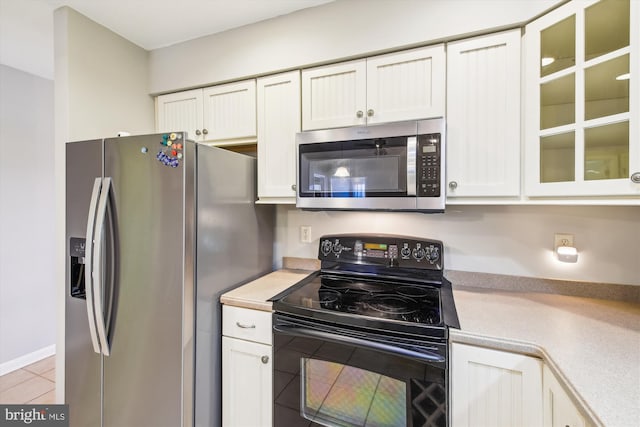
[[230, 111], [334, 96], [559, 410], [483, 116], [181, 111], [583, 110], [246, 383], [495, 388], [407, 85], [278, 121]]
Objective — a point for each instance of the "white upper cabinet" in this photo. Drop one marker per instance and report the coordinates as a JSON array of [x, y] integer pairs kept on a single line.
[[218, 113], [278, 122], [334, 95], [483, 116], [583, 100], [406, 85], [181, 111], [394, 87], [230, 111]]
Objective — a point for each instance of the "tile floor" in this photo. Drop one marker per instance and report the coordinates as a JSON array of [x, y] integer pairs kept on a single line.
[[34, 383]]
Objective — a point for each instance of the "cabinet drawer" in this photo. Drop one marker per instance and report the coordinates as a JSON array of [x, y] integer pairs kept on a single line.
[[246, 324]]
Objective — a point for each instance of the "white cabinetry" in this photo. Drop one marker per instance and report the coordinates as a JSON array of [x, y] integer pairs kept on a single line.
[[398, 86], [180, 111], [583, 101], [494, 388], [483, 116], [278, 121], [247, 376], [223, 113], [559, 410]]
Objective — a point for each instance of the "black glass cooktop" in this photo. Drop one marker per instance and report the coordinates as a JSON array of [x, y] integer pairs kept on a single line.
[[355, 297]]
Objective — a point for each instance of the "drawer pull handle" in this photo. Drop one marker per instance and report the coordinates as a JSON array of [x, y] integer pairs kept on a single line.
[[240, 325], [265, 359]]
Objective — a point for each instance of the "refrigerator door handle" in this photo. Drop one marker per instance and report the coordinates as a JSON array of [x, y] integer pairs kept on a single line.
[[88, 272], [98, 286]]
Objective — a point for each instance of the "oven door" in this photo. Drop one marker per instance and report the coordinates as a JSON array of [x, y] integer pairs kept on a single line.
[[335, 376]]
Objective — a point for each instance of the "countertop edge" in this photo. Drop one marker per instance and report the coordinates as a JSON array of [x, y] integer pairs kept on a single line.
[[528, 349]]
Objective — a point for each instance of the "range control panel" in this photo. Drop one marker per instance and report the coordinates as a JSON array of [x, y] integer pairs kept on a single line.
[[384, 250]]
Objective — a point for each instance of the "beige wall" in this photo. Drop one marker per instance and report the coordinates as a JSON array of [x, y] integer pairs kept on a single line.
[[101, 88], [513, 240], [337, 30], [27, 203]]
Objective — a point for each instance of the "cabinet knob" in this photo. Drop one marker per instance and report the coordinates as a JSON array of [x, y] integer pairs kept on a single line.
[[198, 132], [293, 187], [204, 131], [359, 114], [370, 113], [453, 185], [265, 359], [635, 178]]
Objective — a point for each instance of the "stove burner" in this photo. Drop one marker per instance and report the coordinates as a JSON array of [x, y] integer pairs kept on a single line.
[[351, 285], [328, 298], [413, 291], [392, 304]]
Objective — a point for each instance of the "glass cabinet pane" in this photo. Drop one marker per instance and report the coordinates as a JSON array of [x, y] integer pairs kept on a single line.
[[558, 46], [557, 158], [557, 102], [607, 88], [606, 152], [606, 27]]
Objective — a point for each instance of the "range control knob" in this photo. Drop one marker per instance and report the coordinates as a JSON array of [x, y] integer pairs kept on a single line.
[[433, 254], [418, 252], [337, 248], [326, 247], [405, 251]]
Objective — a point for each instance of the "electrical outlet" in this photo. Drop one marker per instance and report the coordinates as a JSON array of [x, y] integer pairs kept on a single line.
[[305, 234], [560, 239]]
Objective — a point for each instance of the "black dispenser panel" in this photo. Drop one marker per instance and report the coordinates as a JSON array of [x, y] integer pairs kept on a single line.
[[77, 260]]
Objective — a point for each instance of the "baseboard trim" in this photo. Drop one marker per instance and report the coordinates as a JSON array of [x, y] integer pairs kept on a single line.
[[27, 359]]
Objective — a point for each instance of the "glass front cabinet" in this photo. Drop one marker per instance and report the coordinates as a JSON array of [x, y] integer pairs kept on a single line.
[[582, 112]]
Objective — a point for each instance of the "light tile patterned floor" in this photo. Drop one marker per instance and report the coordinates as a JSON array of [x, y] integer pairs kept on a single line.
[[32, 384]]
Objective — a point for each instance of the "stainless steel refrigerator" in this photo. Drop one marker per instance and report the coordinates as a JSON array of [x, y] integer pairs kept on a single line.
[[157, 229]]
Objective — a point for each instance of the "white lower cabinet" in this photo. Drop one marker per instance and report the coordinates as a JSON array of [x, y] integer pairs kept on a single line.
[[494, 388], [247, 375], [559, 410]]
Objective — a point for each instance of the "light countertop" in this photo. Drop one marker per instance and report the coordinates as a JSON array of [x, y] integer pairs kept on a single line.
[[592, 345]]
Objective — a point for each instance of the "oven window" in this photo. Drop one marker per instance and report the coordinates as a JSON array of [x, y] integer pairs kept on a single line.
[[334, 394]]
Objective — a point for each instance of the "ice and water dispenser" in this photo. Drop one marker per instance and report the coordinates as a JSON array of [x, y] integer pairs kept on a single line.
[[77, 260]]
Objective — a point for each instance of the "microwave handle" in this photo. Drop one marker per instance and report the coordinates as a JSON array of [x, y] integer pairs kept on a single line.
[[411, 165]]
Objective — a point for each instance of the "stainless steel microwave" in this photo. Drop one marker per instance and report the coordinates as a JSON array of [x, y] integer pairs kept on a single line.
[[394, 166]]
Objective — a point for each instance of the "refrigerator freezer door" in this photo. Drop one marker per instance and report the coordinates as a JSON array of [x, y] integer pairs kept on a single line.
[[82, 365], [234, 245], [148, 370]]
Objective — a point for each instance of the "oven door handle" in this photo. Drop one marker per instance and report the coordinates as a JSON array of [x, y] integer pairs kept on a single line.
[[359, 342]]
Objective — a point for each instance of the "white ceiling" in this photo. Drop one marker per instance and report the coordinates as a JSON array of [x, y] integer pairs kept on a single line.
[[26, 26], [152, 24]]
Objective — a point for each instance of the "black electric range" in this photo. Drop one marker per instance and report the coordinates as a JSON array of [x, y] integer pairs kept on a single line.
[[378, 282]]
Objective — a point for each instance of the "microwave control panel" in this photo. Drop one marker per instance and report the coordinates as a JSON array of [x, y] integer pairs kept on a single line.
[[428, 165]]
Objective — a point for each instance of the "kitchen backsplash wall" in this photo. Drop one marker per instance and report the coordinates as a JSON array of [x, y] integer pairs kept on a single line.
[[512, 240]]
